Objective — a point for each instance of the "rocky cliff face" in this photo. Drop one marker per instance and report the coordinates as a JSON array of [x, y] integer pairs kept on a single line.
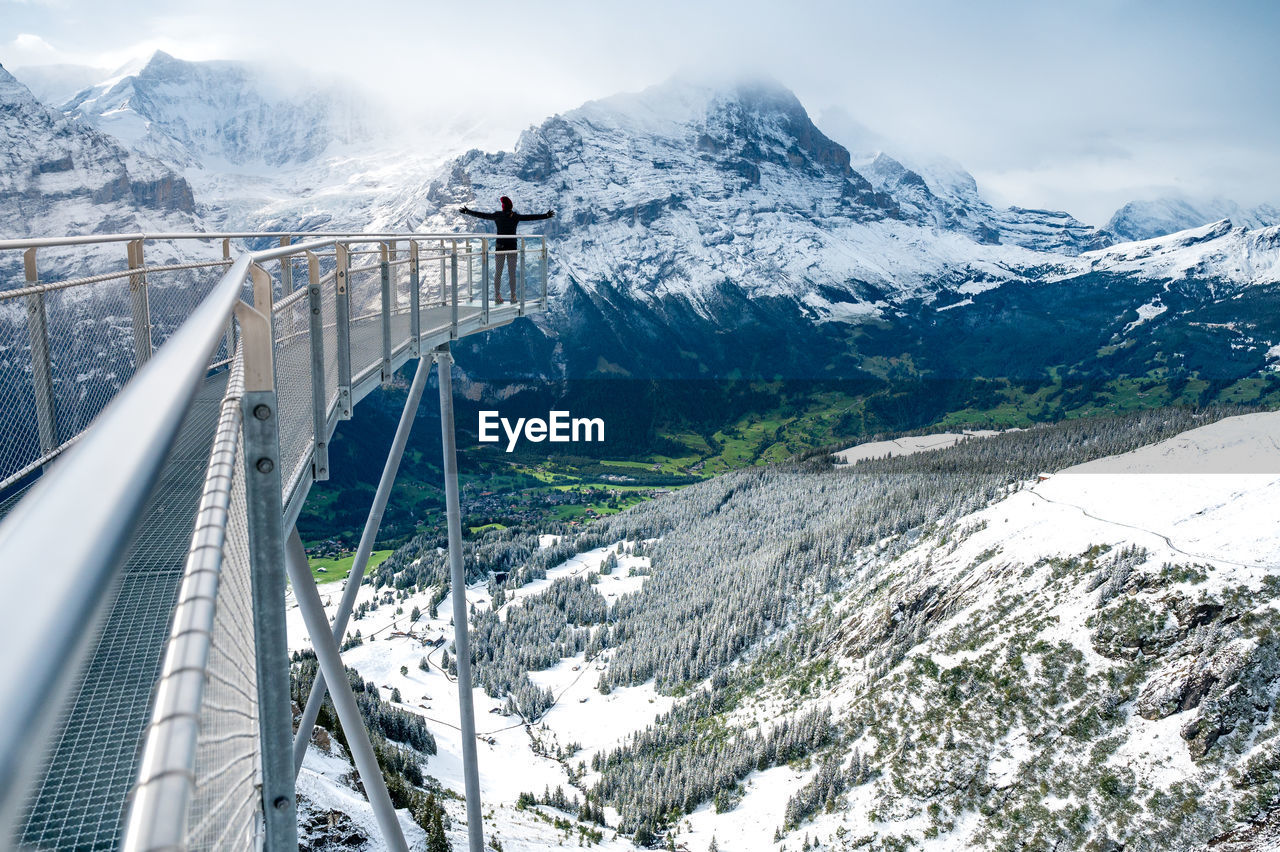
[[59, 176]]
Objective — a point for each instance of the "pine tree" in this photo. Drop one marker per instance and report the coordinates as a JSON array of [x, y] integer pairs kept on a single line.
[[430, 816], [436, 839]]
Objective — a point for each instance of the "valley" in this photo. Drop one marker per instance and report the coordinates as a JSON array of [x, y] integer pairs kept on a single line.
[[993, 662]]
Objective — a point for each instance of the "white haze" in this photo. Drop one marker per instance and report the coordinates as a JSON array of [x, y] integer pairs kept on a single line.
[[1077, 106]]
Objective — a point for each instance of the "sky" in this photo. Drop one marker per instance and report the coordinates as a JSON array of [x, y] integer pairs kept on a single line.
[[1077, 106]]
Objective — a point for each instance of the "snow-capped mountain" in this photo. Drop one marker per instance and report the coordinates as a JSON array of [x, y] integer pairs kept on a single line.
[[1143, 220], [268, 151], [938, 191], [1215, 251], [58, 176], [193, 113], [712, 229], [704, 231]]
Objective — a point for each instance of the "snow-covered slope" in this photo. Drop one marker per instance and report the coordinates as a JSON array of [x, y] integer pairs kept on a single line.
[[1216, 251], [1143, 220], [1086, 661]]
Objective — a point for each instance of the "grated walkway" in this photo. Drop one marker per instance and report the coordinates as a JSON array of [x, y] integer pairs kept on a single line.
[[93, 762], [80, 801]]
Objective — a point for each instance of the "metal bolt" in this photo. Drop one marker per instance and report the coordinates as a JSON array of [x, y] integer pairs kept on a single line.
[[315, 291], [265, 465], [315, 311], [280, 803], [262, 412], [323, 471]]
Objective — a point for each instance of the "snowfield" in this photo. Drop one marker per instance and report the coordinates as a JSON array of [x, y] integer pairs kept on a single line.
[[907, 446], [509, 761]]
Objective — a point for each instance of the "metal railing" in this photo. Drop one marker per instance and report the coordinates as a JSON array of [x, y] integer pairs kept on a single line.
[[162, 429]]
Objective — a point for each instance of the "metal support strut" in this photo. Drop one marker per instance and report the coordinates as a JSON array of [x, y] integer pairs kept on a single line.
[[140, 304], [326, 648], [261, 419], [367, 538], [319, 410], [458, 588], [385, 268]]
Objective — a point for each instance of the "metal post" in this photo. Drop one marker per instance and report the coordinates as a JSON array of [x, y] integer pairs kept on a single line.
[[458, 587], [319, 393], [544, 273], [286, 269], [365, 548], [230, 336], [330, 659], [264, 510], [41, 365], [342, 314], [415, 317], [523, 243], [453, 289], [444, 295], [470, 289], [141, 304], [484, 280], [386, 313]]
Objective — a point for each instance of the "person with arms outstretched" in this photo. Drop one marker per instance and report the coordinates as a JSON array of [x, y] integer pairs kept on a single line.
[[505, 220]]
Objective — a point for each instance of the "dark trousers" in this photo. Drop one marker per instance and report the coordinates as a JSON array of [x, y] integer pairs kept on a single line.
[[509, 257]]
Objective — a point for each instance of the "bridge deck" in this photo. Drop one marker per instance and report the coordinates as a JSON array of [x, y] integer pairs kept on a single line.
[[79, 803]]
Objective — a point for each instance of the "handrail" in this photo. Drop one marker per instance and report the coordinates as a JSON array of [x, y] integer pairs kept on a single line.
[[346, 236], [159, 804]]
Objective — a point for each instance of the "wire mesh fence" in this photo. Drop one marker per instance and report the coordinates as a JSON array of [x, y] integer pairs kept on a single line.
[[329, 326], [366, 320], [225, 808], [292, 329], [86, 336], [19, 438]]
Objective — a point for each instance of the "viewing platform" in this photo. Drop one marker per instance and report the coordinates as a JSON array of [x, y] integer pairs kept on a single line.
[[163, 427]]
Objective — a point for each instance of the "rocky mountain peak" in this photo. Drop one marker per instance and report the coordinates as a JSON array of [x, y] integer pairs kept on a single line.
[[52, 168], [1146, 219], [215, 115], [674, 148]]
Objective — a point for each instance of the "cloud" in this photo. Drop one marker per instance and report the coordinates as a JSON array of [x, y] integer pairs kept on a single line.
[[1045, 103], [31, 49]]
